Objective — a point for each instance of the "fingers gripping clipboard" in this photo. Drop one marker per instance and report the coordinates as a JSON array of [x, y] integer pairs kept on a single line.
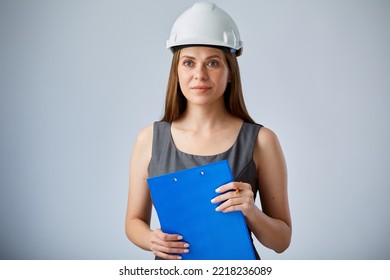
[[183, 204]]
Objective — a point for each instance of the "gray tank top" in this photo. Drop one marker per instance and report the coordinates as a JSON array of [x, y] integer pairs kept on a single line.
[[166, 158]]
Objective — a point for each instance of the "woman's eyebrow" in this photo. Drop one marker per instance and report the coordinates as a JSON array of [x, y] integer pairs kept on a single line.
[[188, 57]]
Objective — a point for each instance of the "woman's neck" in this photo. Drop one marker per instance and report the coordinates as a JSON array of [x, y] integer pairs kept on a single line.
[[205, 117]]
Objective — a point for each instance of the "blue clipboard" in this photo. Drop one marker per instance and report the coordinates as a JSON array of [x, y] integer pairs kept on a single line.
[[182, 202]]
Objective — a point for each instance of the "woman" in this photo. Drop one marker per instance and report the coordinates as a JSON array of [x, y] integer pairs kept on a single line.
[[205, 121]]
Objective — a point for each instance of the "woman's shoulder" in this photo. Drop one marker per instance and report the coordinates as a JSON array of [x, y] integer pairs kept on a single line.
[[144, 138], [267, 137], [145, 135], [145, 132], [266, 134], [266, 140], [268, 150]]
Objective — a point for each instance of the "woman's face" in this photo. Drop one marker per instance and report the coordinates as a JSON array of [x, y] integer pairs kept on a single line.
[[203, 74]]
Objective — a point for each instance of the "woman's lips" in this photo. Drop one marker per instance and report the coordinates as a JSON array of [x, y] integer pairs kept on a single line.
[[201, 88]]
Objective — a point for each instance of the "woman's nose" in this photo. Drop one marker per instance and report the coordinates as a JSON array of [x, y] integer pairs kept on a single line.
[[201, 73]]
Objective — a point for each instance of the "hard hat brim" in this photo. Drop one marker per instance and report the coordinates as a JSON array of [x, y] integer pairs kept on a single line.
[[226, 49]]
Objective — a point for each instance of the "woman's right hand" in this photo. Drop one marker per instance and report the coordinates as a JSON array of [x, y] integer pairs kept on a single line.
[[167, 246]]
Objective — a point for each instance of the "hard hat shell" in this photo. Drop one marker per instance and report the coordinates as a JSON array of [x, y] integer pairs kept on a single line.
[[205, 24]]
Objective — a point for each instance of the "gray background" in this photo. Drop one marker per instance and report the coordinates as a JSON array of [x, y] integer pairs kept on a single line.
[[79, 79]]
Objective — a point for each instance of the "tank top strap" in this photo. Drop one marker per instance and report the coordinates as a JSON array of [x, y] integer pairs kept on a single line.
[[161, 136], [161, 147], [241, 154]]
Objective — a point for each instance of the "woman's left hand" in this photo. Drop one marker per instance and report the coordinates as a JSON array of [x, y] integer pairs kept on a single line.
[[235, 196]]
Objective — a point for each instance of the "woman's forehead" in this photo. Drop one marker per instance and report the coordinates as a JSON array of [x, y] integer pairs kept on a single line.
[[201, 51]]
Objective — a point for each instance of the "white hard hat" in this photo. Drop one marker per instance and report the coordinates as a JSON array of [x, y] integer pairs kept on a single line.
[[205, 24]]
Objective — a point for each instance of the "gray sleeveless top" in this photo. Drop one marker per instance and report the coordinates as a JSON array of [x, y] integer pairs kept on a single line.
[[166, 158]]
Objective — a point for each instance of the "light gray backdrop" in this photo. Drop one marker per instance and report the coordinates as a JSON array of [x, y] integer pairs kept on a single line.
[[79, 79]]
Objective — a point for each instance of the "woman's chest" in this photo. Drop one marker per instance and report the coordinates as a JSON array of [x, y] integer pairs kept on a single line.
[[204, 144]]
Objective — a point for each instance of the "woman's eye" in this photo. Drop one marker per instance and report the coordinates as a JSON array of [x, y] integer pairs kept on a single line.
[[188, 63], [213, 63]]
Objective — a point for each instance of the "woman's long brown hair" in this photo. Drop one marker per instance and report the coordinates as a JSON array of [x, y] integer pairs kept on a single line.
[[176, 103]]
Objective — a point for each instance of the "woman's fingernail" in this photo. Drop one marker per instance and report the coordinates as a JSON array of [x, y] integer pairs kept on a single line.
[[217, 190], [213, 200], [186, 245], [217, 209], [186, 251], [179, 257], [180, 237]]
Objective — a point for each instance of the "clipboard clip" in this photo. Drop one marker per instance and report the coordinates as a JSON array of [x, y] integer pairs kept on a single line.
[[175, 179]]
